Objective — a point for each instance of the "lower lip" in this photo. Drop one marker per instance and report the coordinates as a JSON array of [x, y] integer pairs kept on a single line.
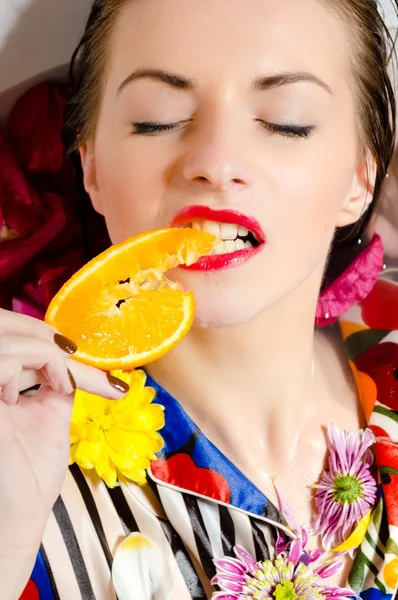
[[218, 262]]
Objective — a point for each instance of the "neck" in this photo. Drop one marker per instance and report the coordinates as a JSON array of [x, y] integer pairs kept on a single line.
[[245, 372], [264, 392]]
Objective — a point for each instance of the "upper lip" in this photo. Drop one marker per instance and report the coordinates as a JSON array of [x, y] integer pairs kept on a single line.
[[190, 213]]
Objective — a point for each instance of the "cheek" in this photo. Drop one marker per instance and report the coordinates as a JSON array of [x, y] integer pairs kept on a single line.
[[131, 188], [308, 196]]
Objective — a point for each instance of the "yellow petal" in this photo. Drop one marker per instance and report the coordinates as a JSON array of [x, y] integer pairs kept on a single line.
[[150, 418], [72, 455], [87, 453], [88, 406], [77, 432], [107, 472], [132, 444], [357, 535], [136, 475]]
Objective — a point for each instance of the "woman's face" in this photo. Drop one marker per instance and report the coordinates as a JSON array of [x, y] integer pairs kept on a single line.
[[257, 111]]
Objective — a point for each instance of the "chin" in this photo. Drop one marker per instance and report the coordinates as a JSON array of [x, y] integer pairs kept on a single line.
[[224, 311]]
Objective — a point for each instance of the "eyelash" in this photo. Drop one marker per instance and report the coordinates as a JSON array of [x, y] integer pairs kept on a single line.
[[293, 131], [153, 127]]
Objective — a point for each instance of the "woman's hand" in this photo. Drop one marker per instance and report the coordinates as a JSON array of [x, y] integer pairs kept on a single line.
[[34, 433]]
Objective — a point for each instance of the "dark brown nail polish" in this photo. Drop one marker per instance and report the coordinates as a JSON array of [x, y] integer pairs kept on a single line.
[[117, 383], [65, 344], [72, 380]]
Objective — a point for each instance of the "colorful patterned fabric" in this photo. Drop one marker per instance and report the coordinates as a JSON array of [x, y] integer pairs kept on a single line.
[[371, 336], [198, 505]]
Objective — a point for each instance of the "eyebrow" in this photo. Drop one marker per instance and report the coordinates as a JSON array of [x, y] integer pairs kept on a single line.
[[175, 81], [267, 82], [273, 81]]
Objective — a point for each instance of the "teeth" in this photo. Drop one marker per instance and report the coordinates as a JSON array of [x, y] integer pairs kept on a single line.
[[229, 246], [228, 231], [240, 244], [211, 227], [218, 248]]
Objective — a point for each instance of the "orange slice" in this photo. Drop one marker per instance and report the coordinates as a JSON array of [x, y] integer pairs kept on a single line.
[[120, 308]]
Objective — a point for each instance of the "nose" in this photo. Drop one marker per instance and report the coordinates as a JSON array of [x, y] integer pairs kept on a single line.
[[216, 161]]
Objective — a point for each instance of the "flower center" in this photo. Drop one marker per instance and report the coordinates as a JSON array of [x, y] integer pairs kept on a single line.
[[285, 591], [347, 489]]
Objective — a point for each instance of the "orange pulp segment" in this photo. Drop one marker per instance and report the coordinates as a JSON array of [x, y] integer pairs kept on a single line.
[[120, 309]]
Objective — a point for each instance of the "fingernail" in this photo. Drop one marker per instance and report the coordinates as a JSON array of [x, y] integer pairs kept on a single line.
[[72, 380], [65, 344], [117, 383]]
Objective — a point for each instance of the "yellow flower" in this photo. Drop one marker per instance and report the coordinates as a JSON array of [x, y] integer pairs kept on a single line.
[[117, 436]]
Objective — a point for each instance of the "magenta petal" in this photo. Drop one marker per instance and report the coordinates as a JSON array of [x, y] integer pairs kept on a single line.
[[281, 544], [315, 554], [296, 548], [230, 565], [224, 596], [246, 558], [336, 593], [229, 583], [329, 570], [304, 536]]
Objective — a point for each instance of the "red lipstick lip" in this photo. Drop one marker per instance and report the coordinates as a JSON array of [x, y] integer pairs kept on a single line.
[[218, 262], [206, 213]]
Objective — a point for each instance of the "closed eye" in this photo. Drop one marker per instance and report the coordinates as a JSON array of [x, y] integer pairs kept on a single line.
[[301, 131], [154, 127]]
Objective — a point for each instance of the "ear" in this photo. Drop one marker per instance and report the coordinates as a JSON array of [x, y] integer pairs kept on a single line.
[[362, 192], [87, 157]]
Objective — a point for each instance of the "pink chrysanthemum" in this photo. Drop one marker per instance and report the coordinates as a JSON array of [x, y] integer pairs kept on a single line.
[[346, 491], [287, 577]]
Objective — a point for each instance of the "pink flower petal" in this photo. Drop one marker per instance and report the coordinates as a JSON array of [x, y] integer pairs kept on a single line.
[[316, 554], [295, 551], [229, 583], [286, 510], [224, 596], [336, 593], [246, 558], [327, 571], [230, 565]]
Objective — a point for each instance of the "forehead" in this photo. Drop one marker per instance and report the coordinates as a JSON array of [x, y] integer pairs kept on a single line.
[[237, 38]]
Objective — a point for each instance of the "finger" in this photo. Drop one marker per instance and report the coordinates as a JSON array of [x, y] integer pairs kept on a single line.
[[88, 379], [39, 355], [83, 377], [30, 379], [97, 382], [10, 373], [60, 404], [16, 324]]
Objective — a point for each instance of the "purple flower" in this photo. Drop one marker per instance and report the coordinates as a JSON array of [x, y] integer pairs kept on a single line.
[[347, 491], [286, 577]]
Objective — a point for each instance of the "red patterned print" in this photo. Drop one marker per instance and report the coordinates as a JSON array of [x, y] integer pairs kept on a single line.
[[379, 309], [387, 459], [30, 592], [181, 471], [380, 362]]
